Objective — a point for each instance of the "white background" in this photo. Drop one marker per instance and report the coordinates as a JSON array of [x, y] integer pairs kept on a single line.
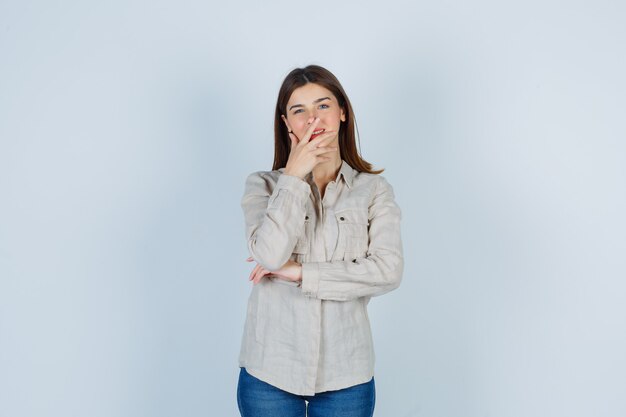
[[127, 130]]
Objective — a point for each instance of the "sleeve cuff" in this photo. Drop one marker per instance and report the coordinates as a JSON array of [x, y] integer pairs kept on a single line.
[[310, 279]]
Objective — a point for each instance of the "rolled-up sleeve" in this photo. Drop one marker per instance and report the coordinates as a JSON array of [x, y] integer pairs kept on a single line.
[[377, 273], [274, 218]]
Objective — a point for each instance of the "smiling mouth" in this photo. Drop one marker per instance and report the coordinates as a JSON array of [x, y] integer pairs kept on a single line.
[[317, 133]]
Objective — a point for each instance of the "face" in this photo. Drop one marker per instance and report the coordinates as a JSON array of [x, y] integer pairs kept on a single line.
[[311, 101]]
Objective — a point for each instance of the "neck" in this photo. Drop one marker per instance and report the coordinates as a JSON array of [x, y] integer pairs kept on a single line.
[[327, 171]]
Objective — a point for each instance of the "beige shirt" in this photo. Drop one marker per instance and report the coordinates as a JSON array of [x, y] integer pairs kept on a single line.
[[315, 336]]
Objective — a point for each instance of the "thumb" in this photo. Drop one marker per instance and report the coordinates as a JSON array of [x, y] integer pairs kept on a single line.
[[294, 140]]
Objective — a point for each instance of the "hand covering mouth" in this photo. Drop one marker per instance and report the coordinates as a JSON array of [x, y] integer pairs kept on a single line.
[[317, 132]]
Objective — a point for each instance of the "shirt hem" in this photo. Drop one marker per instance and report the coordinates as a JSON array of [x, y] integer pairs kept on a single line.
[[345, 383]]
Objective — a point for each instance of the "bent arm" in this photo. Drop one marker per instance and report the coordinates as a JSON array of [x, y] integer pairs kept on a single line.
[[274, 218], [377, 273]]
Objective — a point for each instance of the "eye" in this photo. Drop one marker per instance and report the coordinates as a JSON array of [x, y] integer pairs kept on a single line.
[[297, 110], [324, 105]]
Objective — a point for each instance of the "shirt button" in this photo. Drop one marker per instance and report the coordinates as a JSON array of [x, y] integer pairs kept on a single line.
[[306, 217], [342, 218]]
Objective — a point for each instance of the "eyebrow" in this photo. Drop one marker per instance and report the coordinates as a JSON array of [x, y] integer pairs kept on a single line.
[[316, 101]]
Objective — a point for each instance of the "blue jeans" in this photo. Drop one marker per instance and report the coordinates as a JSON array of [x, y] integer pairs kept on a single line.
[[257, 398]]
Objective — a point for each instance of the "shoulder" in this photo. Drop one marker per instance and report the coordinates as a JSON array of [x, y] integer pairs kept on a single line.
[[376, 182], [259, 185], [262, 178]]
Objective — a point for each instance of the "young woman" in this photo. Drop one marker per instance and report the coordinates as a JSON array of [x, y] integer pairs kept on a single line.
[[324, 231]]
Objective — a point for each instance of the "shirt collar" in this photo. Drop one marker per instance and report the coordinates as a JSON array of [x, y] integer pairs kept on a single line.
[[348, 173], [345, 170]]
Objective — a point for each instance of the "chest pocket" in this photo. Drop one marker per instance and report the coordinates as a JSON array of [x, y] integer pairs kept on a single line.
[[353, 232]]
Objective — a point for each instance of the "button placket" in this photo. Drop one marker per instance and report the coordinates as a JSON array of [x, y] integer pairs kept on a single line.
[[302, 246]]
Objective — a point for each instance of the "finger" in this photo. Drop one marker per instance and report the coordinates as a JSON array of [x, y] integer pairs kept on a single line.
[[253, 273], [294, 139], [309, 131], [249, 259], [323, 139], [259, 273], [325, 149], [254, 276], [321, 159]]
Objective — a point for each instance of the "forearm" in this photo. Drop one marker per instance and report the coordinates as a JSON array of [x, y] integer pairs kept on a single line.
[[274, 226], [345, 280]]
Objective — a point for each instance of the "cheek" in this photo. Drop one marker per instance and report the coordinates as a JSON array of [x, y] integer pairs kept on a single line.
[[299, 125], [333, 119]]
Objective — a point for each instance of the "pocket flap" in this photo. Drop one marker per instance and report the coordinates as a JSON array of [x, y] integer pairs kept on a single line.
[[352, 215]]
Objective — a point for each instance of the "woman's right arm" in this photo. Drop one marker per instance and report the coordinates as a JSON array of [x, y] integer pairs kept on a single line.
[[274, 218]]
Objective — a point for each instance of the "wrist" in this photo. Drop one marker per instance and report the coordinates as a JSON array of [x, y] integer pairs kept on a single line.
[[299, 277], [293, 174]]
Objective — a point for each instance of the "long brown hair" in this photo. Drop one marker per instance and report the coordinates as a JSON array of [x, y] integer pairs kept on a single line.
[[347, 144]]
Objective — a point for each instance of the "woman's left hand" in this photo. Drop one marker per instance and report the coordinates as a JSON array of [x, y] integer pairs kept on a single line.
[[290, 271]]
